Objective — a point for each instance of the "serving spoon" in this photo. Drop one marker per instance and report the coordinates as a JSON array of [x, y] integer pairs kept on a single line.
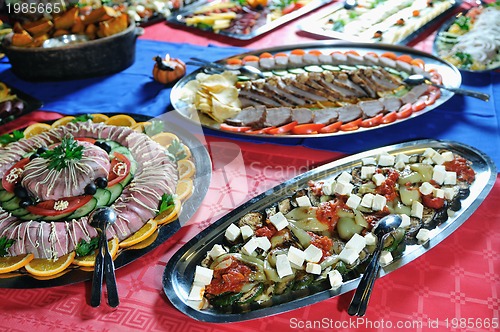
[[249, 71], [360, 300], [100, 219], [418, 79]]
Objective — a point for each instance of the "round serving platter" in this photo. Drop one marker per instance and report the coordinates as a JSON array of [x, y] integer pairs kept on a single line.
[[201, 181], [179, 272], [450, 75]]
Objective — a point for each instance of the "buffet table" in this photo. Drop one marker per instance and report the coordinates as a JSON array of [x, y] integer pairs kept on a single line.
[[455, 286]]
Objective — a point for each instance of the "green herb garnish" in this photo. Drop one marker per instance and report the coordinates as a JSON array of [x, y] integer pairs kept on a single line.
[[463, 22], [83, 118], [176, 151], [353, 15], [338, 25], [85, 248], [167, 202], [64, 152], [15, 136], [154, 128], [465, 58], [5, 244]]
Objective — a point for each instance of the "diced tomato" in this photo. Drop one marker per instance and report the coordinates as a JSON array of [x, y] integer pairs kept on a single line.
[[9, 186], [331, 128], [114, 178], [405, 58], [405, 111], [389, 117], [291, 8], [432, 202], [230, 278], [283, 129], [390, 55], [85, 139], [307, 128], [433, 96], [259, 131], [372, 122], [46, 208], [420, 104], [353, 125], [234, 129]]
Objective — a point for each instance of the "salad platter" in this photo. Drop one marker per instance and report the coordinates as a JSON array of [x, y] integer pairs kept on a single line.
[[314, 90], [58, 231], [389, 21], [470, 39], [253, 241]]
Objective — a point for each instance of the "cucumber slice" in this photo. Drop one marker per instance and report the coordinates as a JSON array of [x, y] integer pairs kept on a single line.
[[392, 71], [59, 216], [115, 191], [267, 74], [242, 78], [330, 67], [314, 69], [19, 212], [84, 210], [102, 196], [346, 67], [31, 216], [362, 67], [280, 72], [296, 71], [12, 204], [6, 196]]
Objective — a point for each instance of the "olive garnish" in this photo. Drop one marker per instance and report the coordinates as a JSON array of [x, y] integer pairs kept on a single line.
[[101, 182], [25, 202], [90, 189], [20, 192], [103, 145], [34, 155], [41, 150]]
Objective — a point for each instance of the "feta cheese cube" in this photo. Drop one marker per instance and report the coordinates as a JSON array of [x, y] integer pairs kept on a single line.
[[402, 158], [450, 178], [283, 266], [344, 177], [378, 179], [370, 239], [313, 268], [429, 152], [348, 256], [296, 256], [439, 174], [303, 201], [313, 254], [344, 188], [335, 279], [246, 231], [417, 209], [423, 235], [379, 202], [356, 242], [405, 220], [400, 165], [217, 250], [353, 201], [250, 246], [438, 159], [263, 243], [367, 171], [367, 200], [386, 160], [385, 257], [328, 187], [447, 156], [449, 193], [196, 293], [203, 275], [369, 161], [279, 221], [428, 161], [438, 193], [426, 188], [232, 232]]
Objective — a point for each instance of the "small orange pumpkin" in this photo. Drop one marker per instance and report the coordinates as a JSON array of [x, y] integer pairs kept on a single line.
[[168, 70]]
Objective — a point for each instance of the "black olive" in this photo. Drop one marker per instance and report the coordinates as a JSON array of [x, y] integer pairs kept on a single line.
[[20, 191], [101, 182], [25, 202], [41, 150], [34, 155], [90, 189], [103, 145]]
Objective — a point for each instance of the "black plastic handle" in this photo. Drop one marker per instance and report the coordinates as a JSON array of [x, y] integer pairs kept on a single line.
[[96, 292], [109, 271]]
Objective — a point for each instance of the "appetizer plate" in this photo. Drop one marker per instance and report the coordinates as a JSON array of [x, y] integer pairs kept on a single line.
[[263, 25], [179, 272], [324, 23], [450, 75], [201, 182]]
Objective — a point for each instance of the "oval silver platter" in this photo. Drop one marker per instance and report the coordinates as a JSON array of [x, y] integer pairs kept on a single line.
[[451, 77], [203, 164], [179, 272]]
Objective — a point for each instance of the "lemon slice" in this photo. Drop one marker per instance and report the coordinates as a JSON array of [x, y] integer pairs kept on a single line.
[[143, 233], [46, 267], [98, 117], [187, 151], [164, 139], [9, 264], [140, 126], [35, 129], [169, 214], [89, 260], [184, 189], [63, 121], [186, 169], [121, 120]]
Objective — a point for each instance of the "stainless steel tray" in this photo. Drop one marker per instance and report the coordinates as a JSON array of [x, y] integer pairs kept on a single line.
[[179, 272], [451, 77]]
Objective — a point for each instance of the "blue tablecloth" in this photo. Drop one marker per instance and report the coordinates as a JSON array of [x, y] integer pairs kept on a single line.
[[462, 119]]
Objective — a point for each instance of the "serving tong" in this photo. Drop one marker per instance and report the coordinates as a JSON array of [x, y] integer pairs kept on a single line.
[[210, 67], [100, 219]]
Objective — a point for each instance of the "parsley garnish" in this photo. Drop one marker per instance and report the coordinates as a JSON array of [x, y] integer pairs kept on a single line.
[[5, 244], [9, 138], [167, 202], [85, 248], [465, 58], [83, 118], [64, 152], [154, 128], [463, 22], [176, 151]]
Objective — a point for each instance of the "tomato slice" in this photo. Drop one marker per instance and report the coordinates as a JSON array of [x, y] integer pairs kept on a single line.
[[46, 208], [353, 125], [420, 104], [331, 128], [404, 111], [372, 122], [434, 95], [260, 131], [114, 178], [292, 7], [85, 139], [9, 186], [389, 117], [283, 129], [307, 128], [234, 129]]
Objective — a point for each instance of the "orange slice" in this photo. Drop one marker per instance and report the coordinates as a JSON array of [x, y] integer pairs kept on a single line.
[[143, 233], [186, 169], [169, 214], [140, 126], [46, 267], [9, 264], [63, 121], [121, 120], [35, 129], [146, 242], [164, 139], [184, 189], [89, 260], [98, 117]]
